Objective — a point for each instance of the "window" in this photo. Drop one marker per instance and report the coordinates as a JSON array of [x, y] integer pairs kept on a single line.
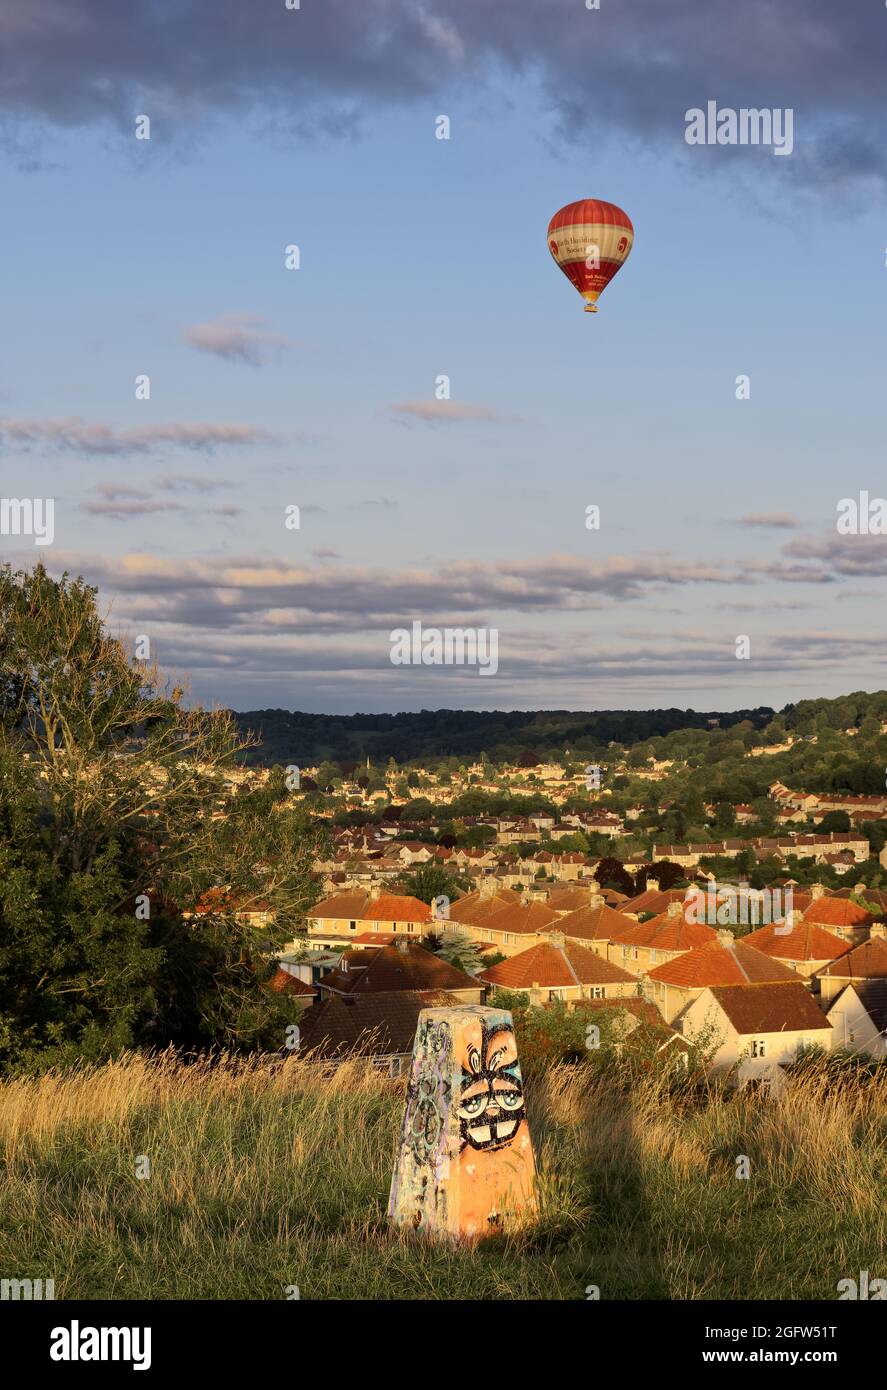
[[652, 957], [758, 1047], [353, 926], [597, 991]]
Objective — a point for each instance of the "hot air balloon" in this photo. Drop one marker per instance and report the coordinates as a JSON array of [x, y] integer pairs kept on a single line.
[[590, 240]]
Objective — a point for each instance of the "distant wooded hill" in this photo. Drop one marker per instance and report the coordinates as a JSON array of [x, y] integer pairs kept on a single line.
[[307, 739]]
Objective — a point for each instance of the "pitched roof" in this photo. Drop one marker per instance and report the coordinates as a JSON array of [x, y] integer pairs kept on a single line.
[[771, 1008], [867, 961], [371, 1024], [592, 923], [805, 941], [283, 982], [553, 967], [388, 907], [568, 899], [474, 907], [652, 900], [346, 905], [872, 994], [837, 912], [408, 966], [649, 1025], [521, 920], [675, 933], [396, 907], [715, 964]]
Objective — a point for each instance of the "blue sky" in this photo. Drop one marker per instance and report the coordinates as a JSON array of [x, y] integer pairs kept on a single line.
[[421, 257]]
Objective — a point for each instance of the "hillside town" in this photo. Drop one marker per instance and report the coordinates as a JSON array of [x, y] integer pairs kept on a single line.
[[766, 946]]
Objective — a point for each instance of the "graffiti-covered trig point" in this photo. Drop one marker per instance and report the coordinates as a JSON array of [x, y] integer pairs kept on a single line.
[[465, 1166]]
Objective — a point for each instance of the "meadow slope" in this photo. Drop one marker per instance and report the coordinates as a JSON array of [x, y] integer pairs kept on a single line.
[[265, 1176]]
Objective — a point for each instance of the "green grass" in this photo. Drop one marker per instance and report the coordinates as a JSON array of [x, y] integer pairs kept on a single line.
[[265, 1177]]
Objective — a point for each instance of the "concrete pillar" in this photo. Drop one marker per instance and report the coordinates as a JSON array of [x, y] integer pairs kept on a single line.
[[465, 1166]]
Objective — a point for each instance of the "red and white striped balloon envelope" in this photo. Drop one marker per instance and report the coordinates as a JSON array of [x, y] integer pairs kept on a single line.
[[590, 240]]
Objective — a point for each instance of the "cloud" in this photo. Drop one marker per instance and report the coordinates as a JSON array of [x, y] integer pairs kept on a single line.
[[844, 556], [273, 595], [237, 338], [121, 501], [373, 504], [448, 412], [774, 520], [84, 437], [627, 69], [122, 510], [188, 482]]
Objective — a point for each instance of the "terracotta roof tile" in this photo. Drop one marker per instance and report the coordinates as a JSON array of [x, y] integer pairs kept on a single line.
[[394, 907], [837, 912], [553, 967], [714, 964], [282, 982], [806, 941], [865, 962], [371, 1024], [771, 1008], [592, 923], [408, 966], [521, 920]]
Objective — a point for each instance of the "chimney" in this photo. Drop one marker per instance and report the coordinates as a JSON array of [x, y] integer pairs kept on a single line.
[[595, 900], [674, 909], [403, 943], [878, 931], [726, 938], [557, 940], [375, 892], [816, 891], [859, 891], [488, 886], [652, 885]]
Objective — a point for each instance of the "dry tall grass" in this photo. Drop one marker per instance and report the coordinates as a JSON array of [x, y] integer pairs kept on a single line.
[[267, 1175]]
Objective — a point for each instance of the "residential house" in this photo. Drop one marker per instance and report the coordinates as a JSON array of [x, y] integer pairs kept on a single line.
[[652, 900], [759, 1027], [858, 1016], [404, 966], [558, 969], [639, 1028], [723, 962], [349, 914], [592, 926], [868, 961], [643, 946], [842, 916], [513, 928], [805, 946], [380, 1026]]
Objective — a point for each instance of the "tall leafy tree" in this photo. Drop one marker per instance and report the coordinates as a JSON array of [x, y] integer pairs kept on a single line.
[[115, 821]]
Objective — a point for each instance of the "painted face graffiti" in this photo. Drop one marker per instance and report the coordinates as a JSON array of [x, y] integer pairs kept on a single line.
[[491, 1099]]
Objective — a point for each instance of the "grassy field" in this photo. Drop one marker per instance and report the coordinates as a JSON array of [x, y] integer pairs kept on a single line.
[[265, 1178]]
